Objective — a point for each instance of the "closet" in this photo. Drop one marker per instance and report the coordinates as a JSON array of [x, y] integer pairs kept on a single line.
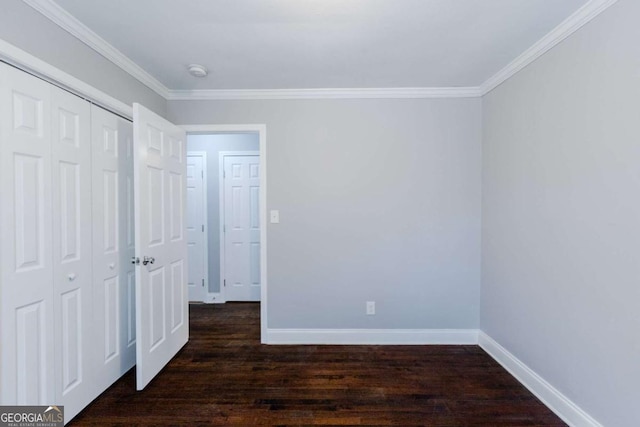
[[67, 284], [113, 246]]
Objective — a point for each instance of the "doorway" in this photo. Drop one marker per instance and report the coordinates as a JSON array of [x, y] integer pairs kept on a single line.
[[200, 138], [261, 131]]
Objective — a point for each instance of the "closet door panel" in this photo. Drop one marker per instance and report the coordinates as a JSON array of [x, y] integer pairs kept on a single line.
[[111, 152], [72, 224], [127, 282], [26, 271], [104, 138]]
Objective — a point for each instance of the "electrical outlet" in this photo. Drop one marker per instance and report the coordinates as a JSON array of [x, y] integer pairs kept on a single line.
[[371, 308]]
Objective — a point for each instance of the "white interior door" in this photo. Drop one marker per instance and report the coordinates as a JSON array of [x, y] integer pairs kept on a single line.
[[161, 277], [72, 259], [241, 228], [196, 221], [26, 295]]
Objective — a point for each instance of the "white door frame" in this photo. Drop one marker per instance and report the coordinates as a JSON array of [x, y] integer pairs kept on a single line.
[[203, 154], [221, 205], [261, 130]]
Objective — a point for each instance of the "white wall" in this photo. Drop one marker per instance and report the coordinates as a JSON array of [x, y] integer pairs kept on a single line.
[[213, 145], [379, 200], [561, 216], [27, 29]]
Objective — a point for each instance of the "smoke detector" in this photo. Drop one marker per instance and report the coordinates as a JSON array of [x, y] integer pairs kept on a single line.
[[197, 70]]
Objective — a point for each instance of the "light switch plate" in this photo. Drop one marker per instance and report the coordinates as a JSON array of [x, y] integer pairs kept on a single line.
[[275, 217], [371, 308]]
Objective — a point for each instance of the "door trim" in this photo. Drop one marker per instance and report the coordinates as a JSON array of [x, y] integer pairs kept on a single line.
[[221, 205], [261, 130], [205, 192]]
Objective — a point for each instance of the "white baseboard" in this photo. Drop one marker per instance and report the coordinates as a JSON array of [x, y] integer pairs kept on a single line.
[[214, 298], [372, 336], [570, 413]]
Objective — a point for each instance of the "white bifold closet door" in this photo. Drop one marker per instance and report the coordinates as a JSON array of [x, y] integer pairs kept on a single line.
[[27, 365], [113, 247], [162, 310], [67, 320], [75, 312], [71, 215]]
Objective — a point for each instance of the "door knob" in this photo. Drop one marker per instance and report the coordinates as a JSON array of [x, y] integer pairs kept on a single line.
[[148, 260]]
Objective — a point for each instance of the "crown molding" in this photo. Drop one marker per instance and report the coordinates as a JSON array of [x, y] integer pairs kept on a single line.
[[243, 128], [69, 23], [569, 26], [342, 93]]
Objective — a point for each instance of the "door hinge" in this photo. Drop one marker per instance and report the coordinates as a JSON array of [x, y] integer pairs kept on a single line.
[[202, 174], [224, 283], [203, 228], [224, 173], [224, 228], [202, 282]]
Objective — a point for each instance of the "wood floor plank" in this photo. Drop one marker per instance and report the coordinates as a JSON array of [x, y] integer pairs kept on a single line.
[[225, 377]]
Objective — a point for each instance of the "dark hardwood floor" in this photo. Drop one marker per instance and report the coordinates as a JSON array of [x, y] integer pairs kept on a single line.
[[224, 376]]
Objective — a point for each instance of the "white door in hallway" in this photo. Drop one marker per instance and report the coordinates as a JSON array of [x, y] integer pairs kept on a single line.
[[196, 226], [241, 219], [162, 304]]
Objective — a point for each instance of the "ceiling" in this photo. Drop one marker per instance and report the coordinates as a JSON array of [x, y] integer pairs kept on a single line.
[[294, 44]]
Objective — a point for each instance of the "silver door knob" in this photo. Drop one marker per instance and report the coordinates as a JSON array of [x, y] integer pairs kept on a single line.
[[148, 260]]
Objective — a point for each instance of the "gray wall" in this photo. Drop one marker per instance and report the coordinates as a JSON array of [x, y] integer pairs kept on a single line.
[[213, 145], [379, 200], [27, 29], [561, 216]]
